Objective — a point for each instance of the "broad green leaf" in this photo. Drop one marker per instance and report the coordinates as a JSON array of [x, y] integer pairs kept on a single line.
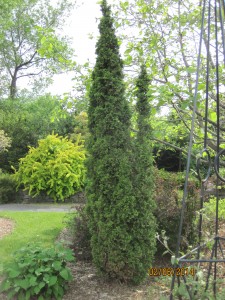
[[52, 280], [57, 265], [14, 273], [213, 116], [5, 285], [174, 260], [24, 283], [65, 274]]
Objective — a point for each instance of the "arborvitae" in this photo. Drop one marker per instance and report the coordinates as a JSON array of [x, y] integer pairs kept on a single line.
[[115, 219], [143, 182]]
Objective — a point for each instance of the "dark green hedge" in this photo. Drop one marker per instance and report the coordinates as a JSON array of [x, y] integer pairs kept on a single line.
[[8, 192]]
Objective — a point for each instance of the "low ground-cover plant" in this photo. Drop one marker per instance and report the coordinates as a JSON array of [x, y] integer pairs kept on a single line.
[[38, 271], [194, 287]]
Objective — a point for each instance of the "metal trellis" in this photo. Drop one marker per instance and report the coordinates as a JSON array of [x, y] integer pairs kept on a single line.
[[202, 257]]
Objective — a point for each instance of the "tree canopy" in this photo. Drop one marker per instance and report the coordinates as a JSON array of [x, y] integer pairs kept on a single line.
[[166, 34], [30, 43]]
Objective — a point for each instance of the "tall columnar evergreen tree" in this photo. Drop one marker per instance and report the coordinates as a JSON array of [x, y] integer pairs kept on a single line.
[[143, 182], [118, 242]]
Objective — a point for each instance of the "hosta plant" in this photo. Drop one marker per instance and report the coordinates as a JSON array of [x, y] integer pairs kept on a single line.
[[38, 273]]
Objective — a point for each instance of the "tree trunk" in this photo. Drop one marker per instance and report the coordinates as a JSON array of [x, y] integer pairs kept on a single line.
[[13, 85]]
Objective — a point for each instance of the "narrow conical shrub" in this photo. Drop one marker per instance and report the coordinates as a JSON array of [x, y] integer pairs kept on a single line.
[[112, 208], [143, 178]]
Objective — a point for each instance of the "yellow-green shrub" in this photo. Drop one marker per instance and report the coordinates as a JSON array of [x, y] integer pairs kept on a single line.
[[56, 167]]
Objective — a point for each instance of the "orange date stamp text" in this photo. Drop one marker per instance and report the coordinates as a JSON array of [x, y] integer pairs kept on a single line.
[[178, 271]]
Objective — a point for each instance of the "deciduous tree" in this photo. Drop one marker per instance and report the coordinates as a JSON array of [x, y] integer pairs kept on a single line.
[[30, 44], [167, 34]]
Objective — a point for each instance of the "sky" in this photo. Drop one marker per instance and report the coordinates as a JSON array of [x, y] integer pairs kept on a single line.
[[82, 23]]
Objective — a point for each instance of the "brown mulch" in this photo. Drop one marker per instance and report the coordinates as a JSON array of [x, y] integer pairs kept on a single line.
[[6, 227], [88, 285]]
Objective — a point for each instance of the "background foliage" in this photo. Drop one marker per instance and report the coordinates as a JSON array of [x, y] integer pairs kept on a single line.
[[27, 120], [168, 195]]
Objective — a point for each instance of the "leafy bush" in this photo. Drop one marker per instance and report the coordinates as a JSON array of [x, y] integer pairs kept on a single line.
[[77, 224], [7, 188], [209, 214], [27, 120], [210, 208], [38, 272], [81, 127], [5, 141], [168, 196], [56, 167]]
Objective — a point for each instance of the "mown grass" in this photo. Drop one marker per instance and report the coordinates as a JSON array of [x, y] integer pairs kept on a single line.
[[40, 227]]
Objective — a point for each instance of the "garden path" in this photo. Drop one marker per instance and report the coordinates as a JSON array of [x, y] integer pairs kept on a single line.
[[39, 207]]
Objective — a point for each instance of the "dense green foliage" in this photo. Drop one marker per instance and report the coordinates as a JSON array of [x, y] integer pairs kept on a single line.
[[26, 121], [120, 175], [77, 225], [210, 209], [7, 188], [145, 227], [37, 271], [81, 127], [208, 213], [168, 195], [55, 167], [5, 141], [115, 218]]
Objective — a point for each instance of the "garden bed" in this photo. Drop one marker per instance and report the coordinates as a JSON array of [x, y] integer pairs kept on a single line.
[[88, 285]]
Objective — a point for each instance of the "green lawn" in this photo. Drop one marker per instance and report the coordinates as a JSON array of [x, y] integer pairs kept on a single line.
[[41, 227]]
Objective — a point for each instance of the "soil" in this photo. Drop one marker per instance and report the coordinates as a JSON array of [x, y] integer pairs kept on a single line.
[[6, 227], [88, 285]]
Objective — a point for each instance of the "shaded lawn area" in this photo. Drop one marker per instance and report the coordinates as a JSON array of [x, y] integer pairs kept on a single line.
[[38, 227]]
